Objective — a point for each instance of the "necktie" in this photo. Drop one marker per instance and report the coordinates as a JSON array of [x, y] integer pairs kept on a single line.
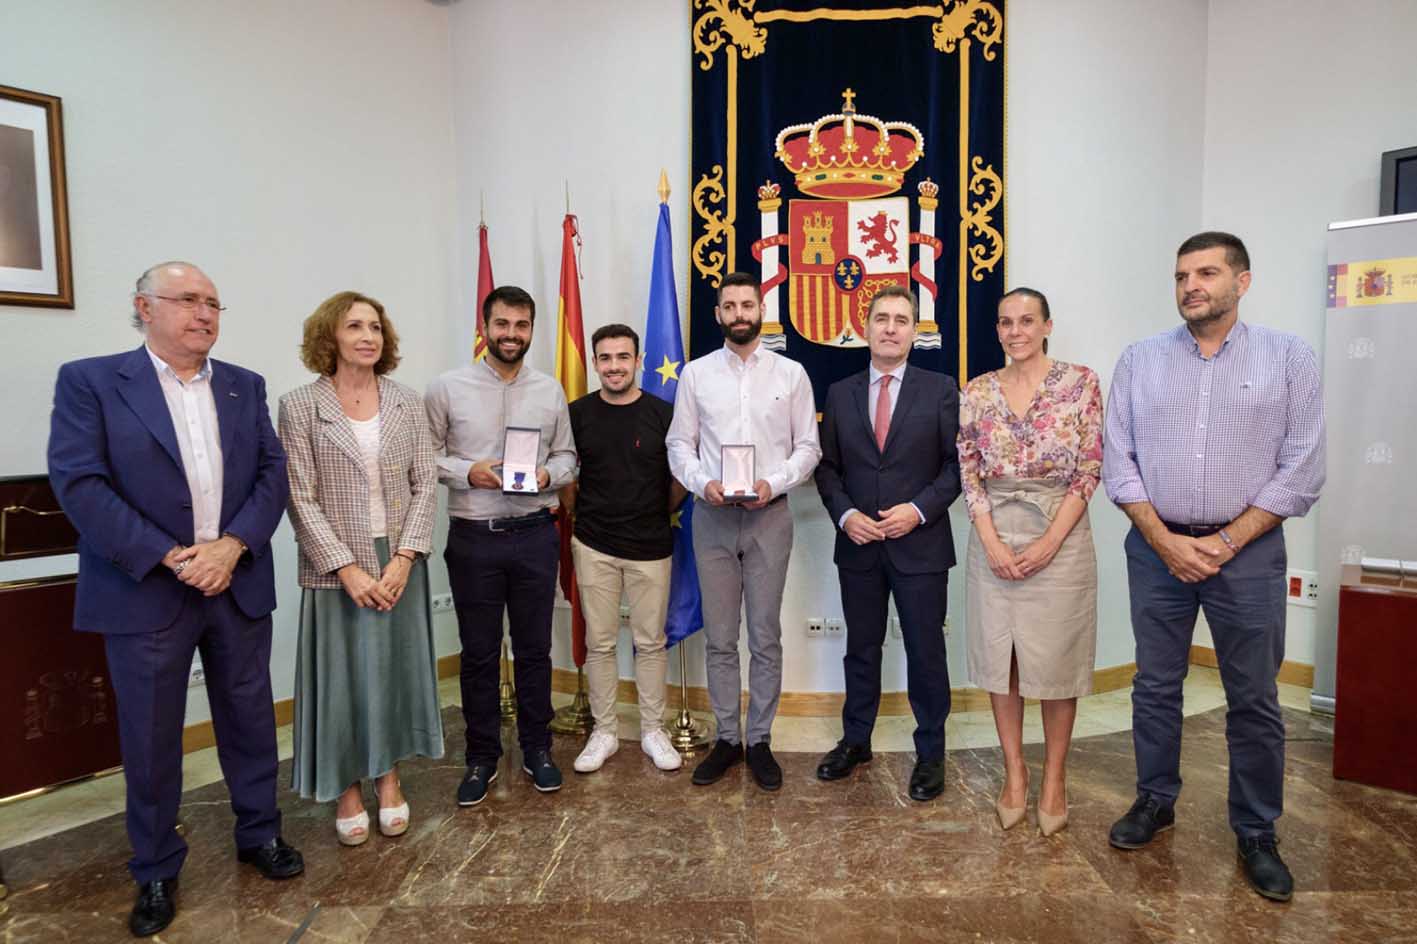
[[883, 413]]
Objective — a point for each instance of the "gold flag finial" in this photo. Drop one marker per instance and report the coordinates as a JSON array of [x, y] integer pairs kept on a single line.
[[663, 186]]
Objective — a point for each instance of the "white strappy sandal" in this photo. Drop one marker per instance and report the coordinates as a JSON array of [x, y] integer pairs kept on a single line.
[[393, 820], [353, 831]]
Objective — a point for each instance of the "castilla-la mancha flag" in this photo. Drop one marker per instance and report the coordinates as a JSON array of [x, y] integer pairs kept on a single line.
[[570, 374], [485, 284]]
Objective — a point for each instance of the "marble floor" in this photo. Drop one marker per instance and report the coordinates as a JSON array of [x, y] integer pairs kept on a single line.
[[633, 854]]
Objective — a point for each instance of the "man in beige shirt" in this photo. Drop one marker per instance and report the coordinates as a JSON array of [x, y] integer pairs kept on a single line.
[[502, 548]]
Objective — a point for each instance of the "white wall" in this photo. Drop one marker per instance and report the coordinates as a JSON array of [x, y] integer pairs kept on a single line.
[[291, 150], [1301, 101]]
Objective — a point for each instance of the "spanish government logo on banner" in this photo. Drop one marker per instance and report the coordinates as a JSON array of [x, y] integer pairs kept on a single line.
[[855, 239], [1376, 282]]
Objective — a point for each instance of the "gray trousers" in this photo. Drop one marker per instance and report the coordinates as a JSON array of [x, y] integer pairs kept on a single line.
[[742, 561]]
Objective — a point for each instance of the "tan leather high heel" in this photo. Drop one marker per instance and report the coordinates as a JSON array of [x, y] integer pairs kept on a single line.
[[1048, 824], [1011, 816]]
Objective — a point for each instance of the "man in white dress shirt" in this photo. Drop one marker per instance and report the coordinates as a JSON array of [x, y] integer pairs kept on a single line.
[[743, 394]]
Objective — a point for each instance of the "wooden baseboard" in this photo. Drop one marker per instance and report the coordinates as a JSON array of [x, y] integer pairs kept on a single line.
[[828, 704], [200, 735], [1290, 673], [792, 704]]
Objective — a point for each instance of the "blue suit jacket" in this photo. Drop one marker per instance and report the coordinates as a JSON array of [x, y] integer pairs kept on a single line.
[[920, 464], [117, 472]]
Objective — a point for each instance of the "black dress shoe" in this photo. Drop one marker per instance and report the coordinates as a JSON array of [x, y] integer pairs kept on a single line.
[[927, 780], [1147, 817], [473, 789], [1264, 869], [764, 766], [712, 768], [155, 908], [274, 857], [542, 770], [842, 759]]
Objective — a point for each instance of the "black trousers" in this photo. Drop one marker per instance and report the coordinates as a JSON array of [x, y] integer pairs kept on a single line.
[[150, 672], [515, 572], [920, 601]]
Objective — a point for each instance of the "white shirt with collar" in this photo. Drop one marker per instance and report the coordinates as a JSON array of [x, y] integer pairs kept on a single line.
[[193, 410], [873, 397], [764, 400]]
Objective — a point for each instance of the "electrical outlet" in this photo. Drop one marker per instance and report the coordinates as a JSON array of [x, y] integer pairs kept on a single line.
[[624, 612], [442, 602], [894, 627], [836, 627], [1301, 588], [198, 674], [947, 627], [814, 627]]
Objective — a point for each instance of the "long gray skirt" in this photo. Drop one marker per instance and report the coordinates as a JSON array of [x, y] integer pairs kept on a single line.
[[366, 686], [1047, 621]]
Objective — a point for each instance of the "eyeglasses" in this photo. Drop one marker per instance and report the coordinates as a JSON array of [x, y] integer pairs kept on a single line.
[[190, 301]]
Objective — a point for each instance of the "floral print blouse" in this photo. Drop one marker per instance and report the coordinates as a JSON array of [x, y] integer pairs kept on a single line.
[[1059, 436]]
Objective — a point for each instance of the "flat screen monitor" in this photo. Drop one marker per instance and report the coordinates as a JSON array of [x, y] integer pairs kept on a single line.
[[1399, 182]]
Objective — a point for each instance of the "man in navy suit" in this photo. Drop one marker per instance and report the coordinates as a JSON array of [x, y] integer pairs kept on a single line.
[[888, 474], [166, 462]]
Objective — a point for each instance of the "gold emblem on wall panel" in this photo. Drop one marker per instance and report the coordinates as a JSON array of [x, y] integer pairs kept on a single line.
[[736, 28]]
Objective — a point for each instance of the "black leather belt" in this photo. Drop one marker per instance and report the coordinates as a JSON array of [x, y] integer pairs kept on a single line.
[[504, 525], [1193, 530]]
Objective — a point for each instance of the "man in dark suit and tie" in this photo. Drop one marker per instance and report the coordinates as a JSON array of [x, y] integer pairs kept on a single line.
[[888, 474], [166, 462]]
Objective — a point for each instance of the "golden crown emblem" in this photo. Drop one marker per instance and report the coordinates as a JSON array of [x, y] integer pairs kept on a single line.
[[850, 156]]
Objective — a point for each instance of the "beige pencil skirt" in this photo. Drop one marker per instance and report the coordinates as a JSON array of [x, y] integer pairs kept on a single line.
[[1049, 620]]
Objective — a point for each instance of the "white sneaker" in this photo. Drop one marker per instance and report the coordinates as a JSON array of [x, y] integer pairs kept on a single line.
[[656, 745], [597, 750]]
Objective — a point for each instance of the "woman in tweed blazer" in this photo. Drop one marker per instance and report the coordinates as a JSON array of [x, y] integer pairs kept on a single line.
[[362, 497]]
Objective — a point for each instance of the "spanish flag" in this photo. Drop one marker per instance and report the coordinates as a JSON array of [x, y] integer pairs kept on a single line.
[[485, 284], [570, 373]]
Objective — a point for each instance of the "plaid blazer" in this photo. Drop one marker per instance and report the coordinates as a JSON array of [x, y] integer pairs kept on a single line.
[[329, 489]]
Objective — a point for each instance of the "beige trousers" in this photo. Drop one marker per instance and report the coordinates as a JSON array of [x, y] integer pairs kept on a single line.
[[602, 580]]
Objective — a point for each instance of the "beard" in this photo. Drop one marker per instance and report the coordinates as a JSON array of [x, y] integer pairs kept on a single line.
[[1214, 310], [494, 351], [741, 332]]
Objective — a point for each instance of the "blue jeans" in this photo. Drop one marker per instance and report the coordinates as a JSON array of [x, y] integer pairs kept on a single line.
[[1244, 605]]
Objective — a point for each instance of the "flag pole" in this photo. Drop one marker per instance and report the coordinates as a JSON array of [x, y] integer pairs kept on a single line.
[[684, 732], [575, 718], [506, 692]]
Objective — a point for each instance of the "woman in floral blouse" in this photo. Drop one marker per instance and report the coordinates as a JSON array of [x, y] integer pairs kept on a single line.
[[1030, 455]]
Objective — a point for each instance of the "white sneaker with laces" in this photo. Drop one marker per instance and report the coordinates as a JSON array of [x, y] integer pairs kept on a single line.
[[597, 750], [656, 745]]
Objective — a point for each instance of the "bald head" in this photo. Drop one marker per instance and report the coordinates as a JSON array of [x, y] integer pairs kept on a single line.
[[155, 278]]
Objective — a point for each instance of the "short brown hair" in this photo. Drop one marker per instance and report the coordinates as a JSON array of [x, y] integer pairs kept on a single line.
[[1237, 257], [319, 351], [895, 291], [740, 278]]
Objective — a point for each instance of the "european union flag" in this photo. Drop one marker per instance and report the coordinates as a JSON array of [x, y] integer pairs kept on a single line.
[[664, 355]]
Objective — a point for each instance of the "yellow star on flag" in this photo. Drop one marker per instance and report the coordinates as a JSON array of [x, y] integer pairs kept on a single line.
[[674, 519], [669, 371]]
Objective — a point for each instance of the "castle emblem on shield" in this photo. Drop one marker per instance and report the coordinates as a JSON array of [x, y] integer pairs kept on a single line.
[[851, 238]]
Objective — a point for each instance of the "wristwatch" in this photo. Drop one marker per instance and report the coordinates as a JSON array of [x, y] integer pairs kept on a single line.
[[1225, 536], [240, 543]]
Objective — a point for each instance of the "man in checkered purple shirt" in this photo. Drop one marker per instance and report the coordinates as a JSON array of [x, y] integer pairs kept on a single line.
[[1214, 435]]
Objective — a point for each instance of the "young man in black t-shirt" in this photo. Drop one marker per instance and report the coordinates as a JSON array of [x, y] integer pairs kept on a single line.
[[622, 541]]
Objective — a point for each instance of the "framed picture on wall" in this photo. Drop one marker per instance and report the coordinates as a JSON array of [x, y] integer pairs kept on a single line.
[[35, 265]]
